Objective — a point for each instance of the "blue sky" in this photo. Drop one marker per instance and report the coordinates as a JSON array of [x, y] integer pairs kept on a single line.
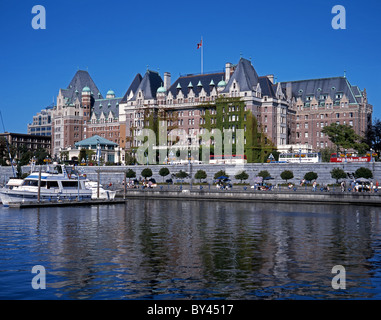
[[114, 40]]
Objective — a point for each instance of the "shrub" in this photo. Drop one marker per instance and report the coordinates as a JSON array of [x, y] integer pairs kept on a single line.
[[242, 176], [181, 174], [287, 175], [338, 173], [146, 173], [164, 172], [130, 174], [309, 176], [363, 173], [200, 174], [264, 174], [220, 173]]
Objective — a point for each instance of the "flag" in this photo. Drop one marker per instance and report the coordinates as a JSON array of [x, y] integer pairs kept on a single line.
[[199, 44]]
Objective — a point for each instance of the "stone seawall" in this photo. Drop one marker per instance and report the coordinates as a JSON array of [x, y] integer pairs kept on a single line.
[[371, 199], [114, 174]]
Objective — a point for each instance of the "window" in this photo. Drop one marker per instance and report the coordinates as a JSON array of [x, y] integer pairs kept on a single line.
[[305, 134]]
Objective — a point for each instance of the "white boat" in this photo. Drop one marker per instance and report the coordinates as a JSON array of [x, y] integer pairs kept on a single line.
[[53, 187], [103, 193]]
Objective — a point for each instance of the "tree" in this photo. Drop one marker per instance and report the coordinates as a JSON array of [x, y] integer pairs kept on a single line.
[[220, 174], [309, 176], [338, 173], [373, 136], [82, 155], [200, 174], [363, 173], [242, 176], [264, 174], [287, 175], [164, 172], [326, 154], [181, 174], [130, 174], [344, 137], [146, 173]]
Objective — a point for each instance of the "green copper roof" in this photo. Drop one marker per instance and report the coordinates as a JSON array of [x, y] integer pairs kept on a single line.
[[86, 89], [94, 140], [161, 89], [222, 83], [110, 92]]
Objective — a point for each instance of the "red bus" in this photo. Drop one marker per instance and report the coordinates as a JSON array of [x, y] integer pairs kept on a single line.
[[349, 157]]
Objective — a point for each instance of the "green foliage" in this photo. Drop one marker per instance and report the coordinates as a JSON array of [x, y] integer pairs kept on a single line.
[[220, 173], [130, 174], [309, 176], [338, 173], [257, 146], [146, 173], [363, 173], [326, 154], [242, 176], [200, 174], [263, 174], [344, 137], [164, 172], [373, 136], [287, 175], [181, 175]]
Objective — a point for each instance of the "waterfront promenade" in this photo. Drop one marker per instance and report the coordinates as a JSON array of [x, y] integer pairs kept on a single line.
[[238, 193], [296, 195]]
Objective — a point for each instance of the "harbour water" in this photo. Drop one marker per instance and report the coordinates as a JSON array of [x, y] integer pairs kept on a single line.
[[163, 249]]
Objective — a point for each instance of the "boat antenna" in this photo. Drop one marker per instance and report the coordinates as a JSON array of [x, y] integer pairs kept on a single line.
[[9, 152]]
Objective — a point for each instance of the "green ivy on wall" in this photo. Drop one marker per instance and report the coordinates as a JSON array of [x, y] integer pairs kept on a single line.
[[220, 116]]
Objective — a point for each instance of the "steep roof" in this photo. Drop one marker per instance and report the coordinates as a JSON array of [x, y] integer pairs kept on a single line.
[[80, 80], [195, 80], [267, 87], [94, 140], [149, 85], [105, 106], [325, 86], [245, 75], [133, 87]]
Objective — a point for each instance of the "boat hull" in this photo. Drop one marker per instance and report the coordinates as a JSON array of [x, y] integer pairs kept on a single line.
[[13, 196]]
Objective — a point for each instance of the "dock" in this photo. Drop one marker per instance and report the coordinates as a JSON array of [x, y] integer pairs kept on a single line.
[[65, 203]]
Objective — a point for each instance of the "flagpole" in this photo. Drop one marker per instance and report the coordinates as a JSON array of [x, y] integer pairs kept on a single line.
[[202, 54]]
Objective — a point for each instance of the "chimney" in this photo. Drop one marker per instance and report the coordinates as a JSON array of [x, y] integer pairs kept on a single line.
[[167, 80], [289, 90], [271, 78], [228, 66]]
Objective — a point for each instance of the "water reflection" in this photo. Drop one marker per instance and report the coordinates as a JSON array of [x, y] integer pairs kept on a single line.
[[190, 249]]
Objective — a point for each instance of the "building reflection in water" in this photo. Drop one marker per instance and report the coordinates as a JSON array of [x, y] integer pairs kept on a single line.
[[190, 249]]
